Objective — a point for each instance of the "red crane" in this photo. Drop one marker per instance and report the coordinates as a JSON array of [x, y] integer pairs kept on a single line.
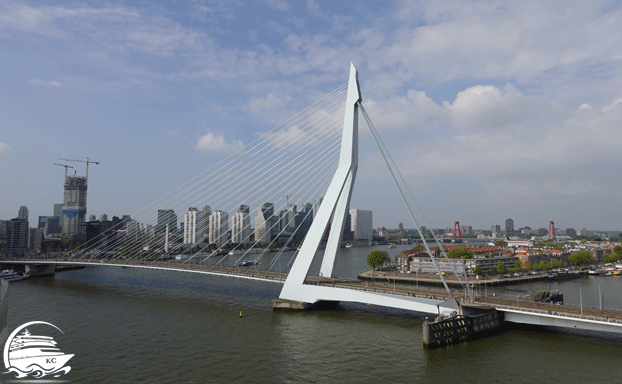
[[457, 228]]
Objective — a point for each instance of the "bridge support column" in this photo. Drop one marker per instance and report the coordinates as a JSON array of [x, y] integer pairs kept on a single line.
[[34, 270]]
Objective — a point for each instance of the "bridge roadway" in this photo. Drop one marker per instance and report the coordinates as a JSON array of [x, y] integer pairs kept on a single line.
[[519, 311]]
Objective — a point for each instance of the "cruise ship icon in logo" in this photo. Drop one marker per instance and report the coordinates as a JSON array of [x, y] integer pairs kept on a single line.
[[28, 355]]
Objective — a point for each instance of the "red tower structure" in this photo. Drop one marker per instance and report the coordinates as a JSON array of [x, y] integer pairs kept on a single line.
[[552, 230], [457, 227]]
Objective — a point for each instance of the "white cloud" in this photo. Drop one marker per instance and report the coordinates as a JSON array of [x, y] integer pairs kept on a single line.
[[4, 148], [488, 108], [281, 5], [217, 143], [52, 83]]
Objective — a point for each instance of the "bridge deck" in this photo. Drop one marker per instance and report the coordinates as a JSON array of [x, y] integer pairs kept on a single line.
[[530, 308]]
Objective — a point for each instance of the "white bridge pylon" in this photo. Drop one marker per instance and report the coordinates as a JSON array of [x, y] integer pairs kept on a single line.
[[336, 204]]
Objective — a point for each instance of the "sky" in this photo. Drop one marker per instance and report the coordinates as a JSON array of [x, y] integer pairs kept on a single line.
[[491, 109]]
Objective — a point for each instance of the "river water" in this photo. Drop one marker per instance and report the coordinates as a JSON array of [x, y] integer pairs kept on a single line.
[[132, 325]]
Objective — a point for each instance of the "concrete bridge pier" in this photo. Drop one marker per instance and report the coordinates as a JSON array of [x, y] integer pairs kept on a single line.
[[39, 270]]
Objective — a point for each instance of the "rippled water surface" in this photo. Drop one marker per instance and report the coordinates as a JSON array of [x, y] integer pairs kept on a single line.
[[128, 325]]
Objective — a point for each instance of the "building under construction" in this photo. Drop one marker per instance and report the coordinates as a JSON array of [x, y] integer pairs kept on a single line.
[[74, 201], [74, 206]]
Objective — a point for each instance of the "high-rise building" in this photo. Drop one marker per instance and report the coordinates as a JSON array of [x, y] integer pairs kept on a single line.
[[16, 237], [50, 225], [58, 210], [103, 217], [206, 212], [92, 217], [23, 213], [306, 213], [74, 205], [35, 238], [3, 224], [509, 227], [264, 222], [241, 225], [495, 230], [218, 228], [166, 216], [192, 221], [401, 227], [132, 230], [571, 232], [362, 224]]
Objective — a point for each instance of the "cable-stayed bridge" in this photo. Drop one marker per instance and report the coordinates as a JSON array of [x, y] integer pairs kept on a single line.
[[311, 160]]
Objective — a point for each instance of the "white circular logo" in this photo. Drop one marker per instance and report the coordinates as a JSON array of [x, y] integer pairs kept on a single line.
[[28, 355]]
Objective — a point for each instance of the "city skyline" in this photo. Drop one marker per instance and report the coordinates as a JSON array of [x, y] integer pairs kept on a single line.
[[519, 121]]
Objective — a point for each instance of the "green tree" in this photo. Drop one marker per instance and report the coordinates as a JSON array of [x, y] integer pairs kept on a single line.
[[581, 258], [460, 252], [377, 258], [492, 272], [618, 249], [478, 271], [418, 246], [612, 257], [501, 267], [501, 243], [540, 243], [517, 265]]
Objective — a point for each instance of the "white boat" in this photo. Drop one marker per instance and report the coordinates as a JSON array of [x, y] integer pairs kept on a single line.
[[245, 251], [28, 350], [11, 275]]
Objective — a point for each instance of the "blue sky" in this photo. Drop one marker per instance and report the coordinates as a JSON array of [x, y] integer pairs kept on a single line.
[[491, 109]]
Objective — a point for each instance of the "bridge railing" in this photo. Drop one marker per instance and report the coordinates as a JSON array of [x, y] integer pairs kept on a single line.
[[558, 313]]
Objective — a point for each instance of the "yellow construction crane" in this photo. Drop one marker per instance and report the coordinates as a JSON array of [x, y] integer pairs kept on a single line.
[[66, 166], [87, 161]]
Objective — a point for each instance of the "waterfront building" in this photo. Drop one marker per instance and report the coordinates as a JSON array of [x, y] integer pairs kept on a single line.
[[264, 222], [23, 213], [192, 226], [166, 216], [16, 237], [50, 226], [241, 225], [218, 228], [413, 261], [361, 224], [3, 229], [306, 214], [74, 206], [132, 230], [35, 237], [509, 227], [206, 212], [383, 232], [287, 222], [488, 263]]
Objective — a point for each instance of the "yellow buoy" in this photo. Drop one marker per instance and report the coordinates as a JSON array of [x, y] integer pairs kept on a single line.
[[240, 313]]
